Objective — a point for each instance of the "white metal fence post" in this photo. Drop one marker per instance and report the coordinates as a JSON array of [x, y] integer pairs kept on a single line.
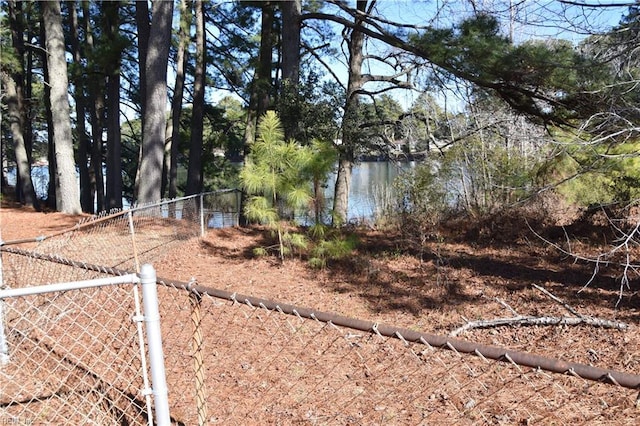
[[202, 224], [154, 341], [4, 347]]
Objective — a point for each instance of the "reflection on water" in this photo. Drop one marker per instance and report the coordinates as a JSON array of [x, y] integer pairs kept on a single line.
[[222, 220], [39, 177], [371, 189]]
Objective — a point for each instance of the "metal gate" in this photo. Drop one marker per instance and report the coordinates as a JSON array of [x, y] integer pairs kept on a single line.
[[74, 353]]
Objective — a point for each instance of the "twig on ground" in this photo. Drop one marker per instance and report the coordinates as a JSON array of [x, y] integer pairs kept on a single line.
[[528, 320], [531, 320], [560, 301], [506, 305]]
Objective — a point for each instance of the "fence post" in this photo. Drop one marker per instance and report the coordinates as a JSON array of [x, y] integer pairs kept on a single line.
[[202, 224], [197, 342], [4, 346], [154, 342]]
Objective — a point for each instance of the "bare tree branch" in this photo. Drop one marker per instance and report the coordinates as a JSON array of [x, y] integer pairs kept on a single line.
[[533, 321]]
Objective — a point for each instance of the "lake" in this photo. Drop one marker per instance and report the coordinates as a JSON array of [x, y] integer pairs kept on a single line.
[[371, 189]]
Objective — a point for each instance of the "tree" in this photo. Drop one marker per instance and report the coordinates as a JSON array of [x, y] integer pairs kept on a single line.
[[25, 191], [143, 28], [83, 142], [95, 52], [154, 120], [171, 151], [274, 176], [261, 87], [291, 22], [260, 92], [117, 43], [349, 131], [283, 178], [12, 78], [67, 193], [291, 25], [194, 173]]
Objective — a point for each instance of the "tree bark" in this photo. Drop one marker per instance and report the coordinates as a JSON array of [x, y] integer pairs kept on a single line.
[[51, 152], [67, 193], [23, 168], [84, 143], [95, 90], [346, 150], [113, 196], [291, 12], [261, 84], [154, 121], [194, 173], [171, 160], [143, 25], [17, 111]]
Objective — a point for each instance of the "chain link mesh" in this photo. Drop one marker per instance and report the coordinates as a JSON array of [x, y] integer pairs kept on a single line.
[[261, 365], [73, 357], [122, 239]]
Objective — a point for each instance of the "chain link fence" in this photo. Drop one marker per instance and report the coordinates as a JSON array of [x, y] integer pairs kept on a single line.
[[234, 359], [72, 357], [123, 239]]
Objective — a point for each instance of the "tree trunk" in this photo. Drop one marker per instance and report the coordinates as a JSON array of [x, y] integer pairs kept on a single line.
[[264, 87], [176, 102], [4, 183], [96, 97], [15, 110], [67, 193], [143, 25], [28, 91], [291, 12], [261, 84], [154, 121], [51, 153], [194, 173], [346, 151], [86, 199], [259, 98], [95, 101], [113, 196]]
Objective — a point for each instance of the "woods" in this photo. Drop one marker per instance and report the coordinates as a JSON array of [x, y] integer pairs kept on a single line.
[[502, 114]]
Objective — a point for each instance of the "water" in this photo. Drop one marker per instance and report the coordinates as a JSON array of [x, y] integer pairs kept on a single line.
[[371, 188], [370, 192], [39, 177]]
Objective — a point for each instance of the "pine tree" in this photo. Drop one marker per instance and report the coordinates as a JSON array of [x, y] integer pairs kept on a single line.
[[275, 177]]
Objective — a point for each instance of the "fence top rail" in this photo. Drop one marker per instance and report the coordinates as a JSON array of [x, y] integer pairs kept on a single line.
[[116, 213], [73, 285], [588, 372]]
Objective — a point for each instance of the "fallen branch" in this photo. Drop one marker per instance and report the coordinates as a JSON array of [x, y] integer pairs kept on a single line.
[[560, 301], [530, 320]]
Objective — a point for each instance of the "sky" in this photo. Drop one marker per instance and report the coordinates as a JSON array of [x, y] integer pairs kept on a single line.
[[524, 19]]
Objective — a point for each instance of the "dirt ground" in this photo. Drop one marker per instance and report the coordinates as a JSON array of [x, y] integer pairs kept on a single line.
[[437, 289], [433, 291]]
